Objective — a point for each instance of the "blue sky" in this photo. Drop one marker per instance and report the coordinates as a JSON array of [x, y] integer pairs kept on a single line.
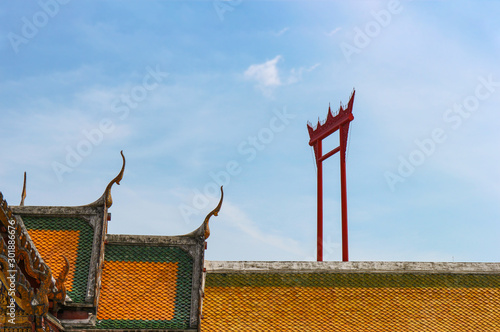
[[200, 92]]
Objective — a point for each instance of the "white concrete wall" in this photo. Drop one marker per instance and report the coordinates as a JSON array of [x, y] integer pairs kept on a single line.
[[358, 267]]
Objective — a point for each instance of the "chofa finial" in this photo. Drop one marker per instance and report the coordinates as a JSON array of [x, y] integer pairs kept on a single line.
[[214, 212], [106, 199], [117, 179], [23, 194]]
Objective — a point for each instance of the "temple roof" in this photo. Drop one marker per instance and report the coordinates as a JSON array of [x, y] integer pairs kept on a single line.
[[162, 276], [76, 232], [349, 296], [112, 282]]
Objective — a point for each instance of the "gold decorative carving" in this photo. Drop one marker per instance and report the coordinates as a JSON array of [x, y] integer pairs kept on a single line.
[[214, 212], [60, 294], [30, 299], [23, 194], [117, 179], [106, 200]]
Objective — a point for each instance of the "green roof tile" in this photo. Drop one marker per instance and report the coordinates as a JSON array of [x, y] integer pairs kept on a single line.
[[358, 280]]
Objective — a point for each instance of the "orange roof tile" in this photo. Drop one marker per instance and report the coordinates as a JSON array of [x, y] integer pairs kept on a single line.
[[68, 236], [145, 287], [52, 245], [350, 302], [138, 291]]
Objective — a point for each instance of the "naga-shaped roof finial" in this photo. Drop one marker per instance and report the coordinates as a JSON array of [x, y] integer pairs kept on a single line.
[[106, 198], [23, 194], [117, 179], [214, 212]]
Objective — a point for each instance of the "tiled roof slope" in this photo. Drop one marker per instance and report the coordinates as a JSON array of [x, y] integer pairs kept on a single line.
[[71, 237], [351, 296], [76, 233], [151, 282]]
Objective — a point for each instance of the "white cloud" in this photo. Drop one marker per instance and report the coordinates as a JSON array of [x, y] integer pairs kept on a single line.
[[265, 74]]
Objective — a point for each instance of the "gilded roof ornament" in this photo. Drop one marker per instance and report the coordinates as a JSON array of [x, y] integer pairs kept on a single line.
[[214, 212], [106, 198], [60, 294], [23, 194], [117, 179], [204, 230], [33, 299]]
